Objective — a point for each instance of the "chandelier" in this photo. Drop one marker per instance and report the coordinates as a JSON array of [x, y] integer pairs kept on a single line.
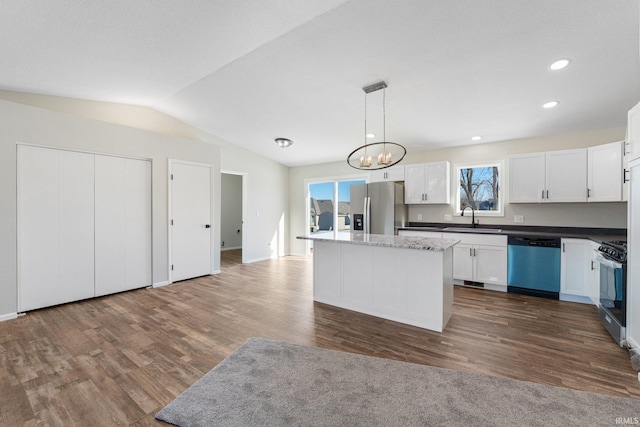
[[386, 153]]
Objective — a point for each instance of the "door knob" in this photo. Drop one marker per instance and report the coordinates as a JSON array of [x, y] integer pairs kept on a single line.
[[207, 226]]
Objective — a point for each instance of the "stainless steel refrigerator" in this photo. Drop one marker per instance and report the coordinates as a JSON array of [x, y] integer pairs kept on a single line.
[[378, 208]]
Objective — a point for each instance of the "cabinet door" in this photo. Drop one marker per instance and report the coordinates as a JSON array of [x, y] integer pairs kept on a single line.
[[593, 275], [437, 182], [633, 132], [414, 180], [633, 255], [490, 264], [574, 267], [395, 173], [463, 262], [526, 178], [604, 172], [566, 175]]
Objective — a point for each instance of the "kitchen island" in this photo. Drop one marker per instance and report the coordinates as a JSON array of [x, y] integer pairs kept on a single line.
[[401, 278]]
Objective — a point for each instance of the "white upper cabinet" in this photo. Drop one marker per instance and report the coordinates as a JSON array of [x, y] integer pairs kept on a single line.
[[633, 133], [427, 183], [566, 173], [395, 173], [526, 178], [555, 176], [605, 172]]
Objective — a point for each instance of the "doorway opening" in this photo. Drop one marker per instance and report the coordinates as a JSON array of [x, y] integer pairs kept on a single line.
[[232, 214]]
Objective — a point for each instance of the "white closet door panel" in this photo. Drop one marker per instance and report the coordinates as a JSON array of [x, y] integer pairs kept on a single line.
[[110, 216], [38, 232], [76, 226], [138, 223]]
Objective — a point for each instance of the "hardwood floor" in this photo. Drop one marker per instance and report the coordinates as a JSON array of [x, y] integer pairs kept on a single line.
[[117, 360]]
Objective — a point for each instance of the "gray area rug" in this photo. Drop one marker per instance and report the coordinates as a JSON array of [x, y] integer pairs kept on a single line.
[[270, 383]]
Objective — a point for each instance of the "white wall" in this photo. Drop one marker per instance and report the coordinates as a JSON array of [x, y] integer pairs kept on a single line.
[[231, 212], [607, 215], [266, 181], [26, 124]]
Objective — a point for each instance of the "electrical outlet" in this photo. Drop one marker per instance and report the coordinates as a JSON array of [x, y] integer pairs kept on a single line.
[[518, 219], [448, 217], [419, 217]]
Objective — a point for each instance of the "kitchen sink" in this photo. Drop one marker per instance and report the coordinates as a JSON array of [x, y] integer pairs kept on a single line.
[[472, 230]]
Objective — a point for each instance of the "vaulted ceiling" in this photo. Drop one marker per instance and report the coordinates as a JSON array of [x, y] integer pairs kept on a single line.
[[252, 70]]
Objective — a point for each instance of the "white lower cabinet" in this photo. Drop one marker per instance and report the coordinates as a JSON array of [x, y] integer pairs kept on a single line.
[[480, 258], [593, 275], [575, 270], [84, 225]]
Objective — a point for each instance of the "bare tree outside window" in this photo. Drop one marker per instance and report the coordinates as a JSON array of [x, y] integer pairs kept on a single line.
[[480, 188]]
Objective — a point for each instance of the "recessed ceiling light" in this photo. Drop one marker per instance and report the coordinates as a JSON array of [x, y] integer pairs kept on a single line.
[[371, 135], [559, 64], [284, 142], [476, 138], [550, 104]]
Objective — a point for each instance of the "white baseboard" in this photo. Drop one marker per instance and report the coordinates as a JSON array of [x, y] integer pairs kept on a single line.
[[224, 248], [296, 254], [576, 298], [258, 260], [160, 284], [8, 316]]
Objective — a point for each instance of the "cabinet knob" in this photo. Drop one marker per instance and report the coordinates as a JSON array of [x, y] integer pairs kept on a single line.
[[207, 226]]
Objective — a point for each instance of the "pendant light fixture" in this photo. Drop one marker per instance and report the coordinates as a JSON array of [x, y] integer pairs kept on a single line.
[[386, 153]]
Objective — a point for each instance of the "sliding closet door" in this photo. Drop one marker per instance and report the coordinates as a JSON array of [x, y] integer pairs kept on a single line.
[[122, 224], [55, 227], [76, 226], [138, 223]]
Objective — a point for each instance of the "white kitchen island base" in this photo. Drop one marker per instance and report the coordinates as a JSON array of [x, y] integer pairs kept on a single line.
[[408, 283]]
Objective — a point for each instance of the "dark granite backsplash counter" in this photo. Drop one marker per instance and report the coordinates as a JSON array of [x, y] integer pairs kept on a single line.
[[595, 234]]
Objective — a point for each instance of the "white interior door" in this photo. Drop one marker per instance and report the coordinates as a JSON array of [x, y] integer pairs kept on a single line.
[[190, 220]]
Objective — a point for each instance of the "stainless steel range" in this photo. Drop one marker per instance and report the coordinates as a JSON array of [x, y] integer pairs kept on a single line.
[[612, 257]]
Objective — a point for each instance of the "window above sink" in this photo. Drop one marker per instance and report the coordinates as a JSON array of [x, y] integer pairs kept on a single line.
[[479, 185]]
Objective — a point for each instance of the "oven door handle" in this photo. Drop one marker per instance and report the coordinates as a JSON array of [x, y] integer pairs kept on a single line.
[[605, 261]]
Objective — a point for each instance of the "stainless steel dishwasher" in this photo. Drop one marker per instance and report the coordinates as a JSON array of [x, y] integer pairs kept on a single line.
[[533, 266]]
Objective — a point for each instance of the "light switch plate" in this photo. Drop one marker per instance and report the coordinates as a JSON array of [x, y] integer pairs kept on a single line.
[[518, 218], [447, 217]]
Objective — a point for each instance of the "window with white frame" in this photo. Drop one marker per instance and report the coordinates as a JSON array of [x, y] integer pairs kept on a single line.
[[480, 187]]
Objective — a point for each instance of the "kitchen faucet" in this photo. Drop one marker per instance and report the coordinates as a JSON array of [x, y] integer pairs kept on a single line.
[[473, 215]]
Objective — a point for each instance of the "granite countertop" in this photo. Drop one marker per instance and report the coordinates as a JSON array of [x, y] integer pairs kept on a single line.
[[597, 235], [403, 242]]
